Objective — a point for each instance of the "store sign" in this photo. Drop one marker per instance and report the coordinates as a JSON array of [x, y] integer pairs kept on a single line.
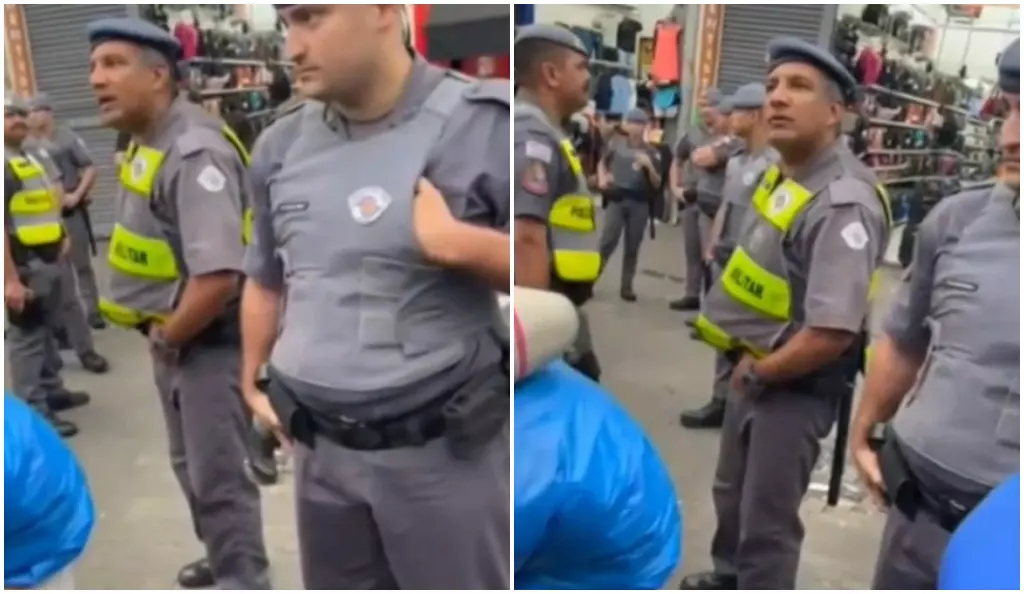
[[711, 18], [19, 57]]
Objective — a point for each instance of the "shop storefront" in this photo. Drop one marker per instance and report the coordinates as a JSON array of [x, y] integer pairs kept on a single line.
[[472, 38]]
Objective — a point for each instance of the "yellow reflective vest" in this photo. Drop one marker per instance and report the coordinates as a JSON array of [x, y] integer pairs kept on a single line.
[[35, 209], [750, 307], [145, 269]]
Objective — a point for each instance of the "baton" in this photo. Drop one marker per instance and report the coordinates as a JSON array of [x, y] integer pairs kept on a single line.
[[835, 480], [88, 229]]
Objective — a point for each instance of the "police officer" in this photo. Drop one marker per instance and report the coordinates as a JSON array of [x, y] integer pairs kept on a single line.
[[34, 242], [629, 174], [792, 325], [176, 257], [386, 370], [701, 156], [73, 169], [747, 124], [556, 239], [951, 343]]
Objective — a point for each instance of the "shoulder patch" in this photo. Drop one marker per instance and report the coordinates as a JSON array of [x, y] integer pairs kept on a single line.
[[539, 151], [211, 179], [855, 236]]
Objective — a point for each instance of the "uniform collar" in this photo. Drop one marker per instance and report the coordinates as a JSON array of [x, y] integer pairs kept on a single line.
[[823, 160], [157, 131], [422, 79]]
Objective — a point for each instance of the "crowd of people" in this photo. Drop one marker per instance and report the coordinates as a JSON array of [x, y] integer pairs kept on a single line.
[[786, 230]]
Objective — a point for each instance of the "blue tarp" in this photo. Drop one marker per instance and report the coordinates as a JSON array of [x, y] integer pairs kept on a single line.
[[48, 512], [984, 552], [595, 508]]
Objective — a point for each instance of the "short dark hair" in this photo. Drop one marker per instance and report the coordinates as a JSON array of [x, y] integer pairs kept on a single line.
[[530, 54]]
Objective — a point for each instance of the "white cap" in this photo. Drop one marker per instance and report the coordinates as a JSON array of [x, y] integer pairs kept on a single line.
[[544, 327]]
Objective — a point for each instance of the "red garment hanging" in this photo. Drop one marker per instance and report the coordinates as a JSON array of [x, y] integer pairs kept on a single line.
[[665, 65]]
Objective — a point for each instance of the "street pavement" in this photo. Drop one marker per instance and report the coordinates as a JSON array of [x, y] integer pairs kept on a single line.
[[143, 533]]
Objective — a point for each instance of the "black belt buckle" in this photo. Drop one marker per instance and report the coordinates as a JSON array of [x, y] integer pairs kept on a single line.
[[358, 435]]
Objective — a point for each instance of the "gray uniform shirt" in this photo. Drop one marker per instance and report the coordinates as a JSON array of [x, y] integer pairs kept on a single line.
[[629, 180], [469, 166], [199, 193], [835, 244], [741, 177], [541, 174], [69, 154], [913, 306]]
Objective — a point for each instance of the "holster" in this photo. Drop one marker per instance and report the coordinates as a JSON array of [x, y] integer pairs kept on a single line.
[[476, 414], [32, 315], [904, 491]]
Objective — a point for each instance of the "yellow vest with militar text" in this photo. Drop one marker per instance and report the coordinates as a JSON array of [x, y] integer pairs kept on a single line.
[[144, 266], [35, 208], [750, 307], [572, 221]]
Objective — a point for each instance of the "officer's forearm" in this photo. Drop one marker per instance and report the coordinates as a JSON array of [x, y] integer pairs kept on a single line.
[[260, 322], [10, 270], [532, 267], [86, 183], [487, 253], [654, 177], [204, 299], [809, 350], [718, 224], [890, 375]]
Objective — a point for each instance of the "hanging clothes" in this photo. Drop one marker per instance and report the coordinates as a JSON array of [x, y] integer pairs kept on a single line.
[[665, 67], [623, 95], [626, 34]]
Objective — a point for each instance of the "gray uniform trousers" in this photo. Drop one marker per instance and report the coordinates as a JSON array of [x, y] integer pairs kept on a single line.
[[407, 518], [72, 316], [769, 444], [33, 374], [624, 218], [207, 428], [81, 263], [696, 229], [723, 368]]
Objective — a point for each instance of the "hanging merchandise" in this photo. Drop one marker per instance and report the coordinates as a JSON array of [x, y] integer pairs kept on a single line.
[[458, 32], [665, 66]]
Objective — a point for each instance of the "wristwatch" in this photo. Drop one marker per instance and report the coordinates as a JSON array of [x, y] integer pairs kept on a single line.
[[751, 381]]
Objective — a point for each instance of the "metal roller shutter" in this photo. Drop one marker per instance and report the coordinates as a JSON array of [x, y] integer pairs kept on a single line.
[[747, 29], [60, 57]]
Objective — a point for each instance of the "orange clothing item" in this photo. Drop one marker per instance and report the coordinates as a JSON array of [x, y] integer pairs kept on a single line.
[[665, 66]]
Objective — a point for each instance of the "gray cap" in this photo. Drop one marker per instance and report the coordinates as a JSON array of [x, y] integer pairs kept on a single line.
[[784, 50], [137, 31], [725, 106], [552, 34], [41, 101], [1009, 68], [636, 116], [749, 96], [713, 97], [14, 103]]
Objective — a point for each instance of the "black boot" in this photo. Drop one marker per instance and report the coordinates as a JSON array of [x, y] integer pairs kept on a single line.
[[708, 580], [64, 399], [709, 416], [628, 295], [63, 427], [94, 362], [96, 322], [61, 335], [196, 575], [685, 304]]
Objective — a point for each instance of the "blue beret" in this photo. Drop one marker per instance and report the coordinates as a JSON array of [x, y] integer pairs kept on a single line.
[[636, 116], [1009, 68], [552, 34], [749, 96], [784, 50], [40, 101], [137, 31], [726, 105]]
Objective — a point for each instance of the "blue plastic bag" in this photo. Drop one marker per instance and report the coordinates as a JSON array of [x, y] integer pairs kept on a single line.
[[48, 512], [984, 552], [595, 508]]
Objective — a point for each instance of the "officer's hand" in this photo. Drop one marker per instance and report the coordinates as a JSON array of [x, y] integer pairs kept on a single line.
[[264, 415], [16, 295], [605, 183], [870, 471], [434, 223], [65, 248], [704, 157], [71, 199], [644, 160], [709, 253], [738, 372], [159, 347]]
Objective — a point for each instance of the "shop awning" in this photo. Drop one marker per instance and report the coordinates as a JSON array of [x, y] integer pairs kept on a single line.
[[459, 31]]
